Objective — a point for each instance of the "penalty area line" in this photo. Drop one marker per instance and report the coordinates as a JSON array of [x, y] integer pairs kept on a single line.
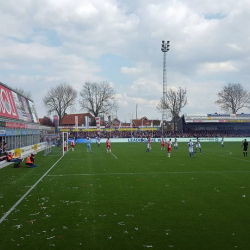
[[25, 195], [114, 156]]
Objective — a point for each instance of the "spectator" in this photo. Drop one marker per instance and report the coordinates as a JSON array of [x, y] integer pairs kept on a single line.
[[10, 158], [30, 161]]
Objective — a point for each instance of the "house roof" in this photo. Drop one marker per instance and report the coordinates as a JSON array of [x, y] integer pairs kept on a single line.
[[69, 119]]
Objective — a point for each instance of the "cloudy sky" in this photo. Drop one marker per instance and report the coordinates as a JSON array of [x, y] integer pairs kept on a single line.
[[47, 42]]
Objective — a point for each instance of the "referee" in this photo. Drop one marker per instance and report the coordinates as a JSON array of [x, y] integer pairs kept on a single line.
[[245, 146]]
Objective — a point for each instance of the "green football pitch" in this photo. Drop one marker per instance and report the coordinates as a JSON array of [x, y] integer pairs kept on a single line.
[[129, 199]]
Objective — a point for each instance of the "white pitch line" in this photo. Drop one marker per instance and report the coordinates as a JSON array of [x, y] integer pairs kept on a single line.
[[51, 155], [23, 197], [150, 173], [226, 156], [114, 156]]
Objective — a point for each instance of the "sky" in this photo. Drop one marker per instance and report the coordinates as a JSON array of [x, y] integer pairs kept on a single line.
[[47, 42]]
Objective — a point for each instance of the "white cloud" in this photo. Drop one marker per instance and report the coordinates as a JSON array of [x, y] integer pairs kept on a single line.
[[220, 67], [208, 42], [146, 87], [235, 47], [130, 71]]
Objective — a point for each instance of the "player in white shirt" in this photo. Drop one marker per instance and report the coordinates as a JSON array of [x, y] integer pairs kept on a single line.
[[98, 140], [222, 142], [191, 148], [149, 139], [148, 145], [198, 145], [175, 144]]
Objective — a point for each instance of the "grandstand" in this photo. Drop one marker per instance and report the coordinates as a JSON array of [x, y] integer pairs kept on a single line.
[[19, 127], [233, 125], [18, 119]]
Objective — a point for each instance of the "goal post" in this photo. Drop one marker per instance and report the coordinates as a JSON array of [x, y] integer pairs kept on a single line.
[[48, 146], [65, 138]]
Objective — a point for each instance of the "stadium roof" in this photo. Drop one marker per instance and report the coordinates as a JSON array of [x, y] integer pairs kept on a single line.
[[215, 118]]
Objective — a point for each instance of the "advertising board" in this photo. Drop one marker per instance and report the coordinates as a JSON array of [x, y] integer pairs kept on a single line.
[[16, 106]]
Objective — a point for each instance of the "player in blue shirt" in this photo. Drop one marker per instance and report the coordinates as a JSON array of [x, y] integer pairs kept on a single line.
[[191, 148], [89, 145]]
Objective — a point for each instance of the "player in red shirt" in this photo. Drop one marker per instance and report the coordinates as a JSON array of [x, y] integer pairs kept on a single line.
[[72, 145], [108, 146], [169, 147], [162, 143], [65, 146]]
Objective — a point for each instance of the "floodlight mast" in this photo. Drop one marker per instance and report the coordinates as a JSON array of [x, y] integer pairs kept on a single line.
[[164, 49]]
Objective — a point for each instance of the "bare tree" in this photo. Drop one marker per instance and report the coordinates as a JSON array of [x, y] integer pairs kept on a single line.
[[233, 98], [58, 99], [176, 100], [98, 98], [22, 92]]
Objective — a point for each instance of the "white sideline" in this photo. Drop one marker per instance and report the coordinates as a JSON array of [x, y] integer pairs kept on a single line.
[[149, 173], [21, 199]]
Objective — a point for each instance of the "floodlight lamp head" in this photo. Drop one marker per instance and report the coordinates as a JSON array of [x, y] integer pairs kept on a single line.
[[168, 42], [163, 42]]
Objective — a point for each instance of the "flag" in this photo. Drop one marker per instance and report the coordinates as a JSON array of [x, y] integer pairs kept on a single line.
[[98, 125], [76, 121], [86, 122]]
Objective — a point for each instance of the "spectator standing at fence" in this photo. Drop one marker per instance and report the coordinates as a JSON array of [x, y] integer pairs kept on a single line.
[[245, 146], [30, 161]]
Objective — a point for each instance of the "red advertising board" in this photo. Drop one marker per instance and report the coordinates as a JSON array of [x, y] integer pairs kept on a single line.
[[15, 125], [21, 125], [7, 104]]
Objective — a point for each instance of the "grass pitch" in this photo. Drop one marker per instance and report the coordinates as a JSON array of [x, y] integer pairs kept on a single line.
[[129, 199]]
